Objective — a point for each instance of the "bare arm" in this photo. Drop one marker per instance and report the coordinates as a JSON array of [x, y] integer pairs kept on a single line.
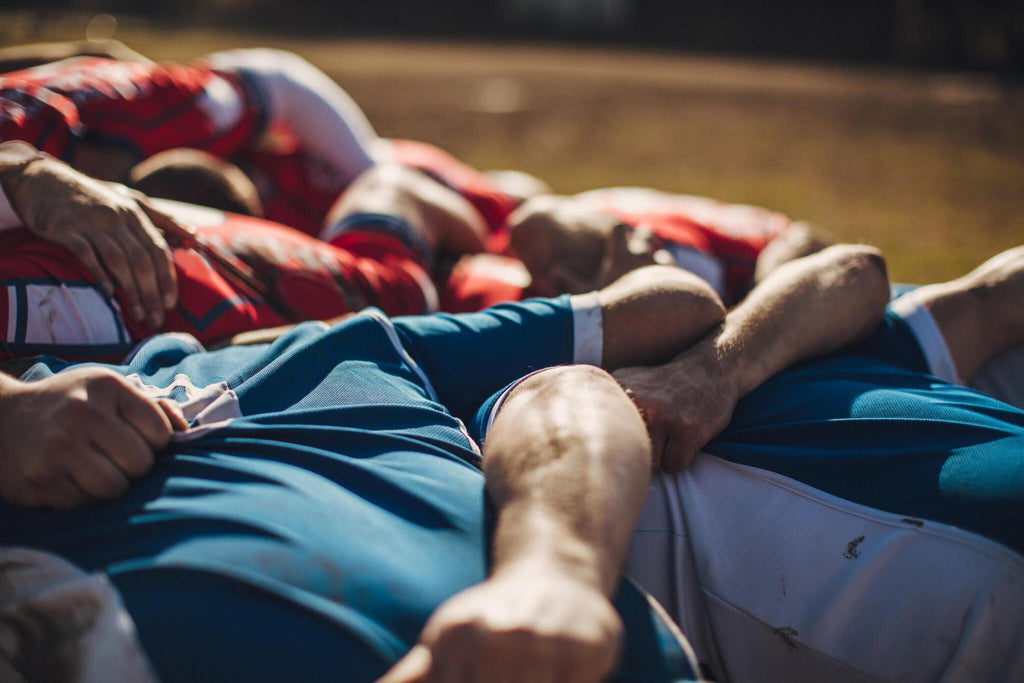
[[567, 463], [563, 473], [804, 309]]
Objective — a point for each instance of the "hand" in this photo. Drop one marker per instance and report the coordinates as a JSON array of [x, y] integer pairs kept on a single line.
[[106, 228], [685, 404], [522, 624], [78, 436], [625, 249]]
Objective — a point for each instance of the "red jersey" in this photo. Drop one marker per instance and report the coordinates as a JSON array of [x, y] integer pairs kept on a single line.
[[150, 108], [143, 108], [719, 242], [716, 240], [247, 274]]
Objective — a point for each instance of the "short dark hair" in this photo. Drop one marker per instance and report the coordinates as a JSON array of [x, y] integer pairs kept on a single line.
[[197, 177]]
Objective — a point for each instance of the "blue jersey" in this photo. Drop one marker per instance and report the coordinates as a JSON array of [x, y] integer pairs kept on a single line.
[[326, 502], [870, 426]]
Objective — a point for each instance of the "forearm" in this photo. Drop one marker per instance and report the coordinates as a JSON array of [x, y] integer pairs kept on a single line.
[[653, 313], [15, 158], [567, 466], [804, 309]]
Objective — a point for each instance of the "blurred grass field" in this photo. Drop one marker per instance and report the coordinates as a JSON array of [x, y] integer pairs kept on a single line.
[[929, 167]]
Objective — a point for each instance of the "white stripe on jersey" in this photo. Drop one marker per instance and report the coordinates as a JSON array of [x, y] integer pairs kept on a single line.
[[221, 103], [707, 268], [12, 313], [396, 342], [773, 580], [929, 337], [65, 314]]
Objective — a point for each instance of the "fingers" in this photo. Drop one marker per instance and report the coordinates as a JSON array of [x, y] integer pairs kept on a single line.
[[168, 226], [82, 250], [163, 263], [172, 411], [135, 254], [124, 447], [412, 668], [116, 261], [145, 415], [149, 261], [96, 475], [62, 494], [679, 450]]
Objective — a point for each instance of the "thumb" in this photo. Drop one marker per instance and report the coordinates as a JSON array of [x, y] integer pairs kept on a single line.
[[412, 668], [165, 222]]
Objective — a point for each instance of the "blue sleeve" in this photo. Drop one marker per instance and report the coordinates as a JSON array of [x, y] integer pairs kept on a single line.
[[893, 342], [470, 356]]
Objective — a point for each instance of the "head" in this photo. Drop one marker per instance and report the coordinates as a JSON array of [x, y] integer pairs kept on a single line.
[[559, 240], [189, 175]]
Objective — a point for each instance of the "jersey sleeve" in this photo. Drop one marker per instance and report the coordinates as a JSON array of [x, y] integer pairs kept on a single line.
[[141, 108], [46, 120], [468, 357]]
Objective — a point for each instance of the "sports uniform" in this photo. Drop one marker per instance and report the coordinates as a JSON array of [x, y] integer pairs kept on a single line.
[[326, 500], [141, 108], [224, 105], [717, 241], [859, 519], [248, 274]]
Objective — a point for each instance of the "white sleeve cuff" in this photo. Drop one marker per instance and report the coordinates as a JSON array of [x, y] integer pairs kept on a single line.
[[587, 328], [929, 337]]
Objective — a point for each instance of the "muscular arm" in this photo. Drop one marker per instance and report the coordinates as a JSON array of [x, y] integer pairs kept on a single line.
[[804, 309], [567, 462], [563, 473]]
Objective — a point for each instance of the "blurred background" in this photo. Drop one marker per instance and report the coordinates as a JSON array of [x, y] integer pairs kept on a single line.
[[898, 123]]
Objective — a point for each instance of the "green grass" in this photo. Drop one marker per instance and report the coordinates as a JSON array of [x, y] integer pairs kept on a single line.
[[928, 167]]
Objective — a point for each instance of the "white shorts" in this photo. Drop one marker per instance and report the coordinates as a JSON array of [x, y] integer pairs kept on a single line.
[[772, 580]]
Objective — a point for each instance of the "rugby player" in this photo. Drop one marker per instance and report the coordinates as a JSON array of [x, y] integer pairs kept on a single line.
[[564, 241], [813, 539], [297, 135], [235, 274], [328, 496]]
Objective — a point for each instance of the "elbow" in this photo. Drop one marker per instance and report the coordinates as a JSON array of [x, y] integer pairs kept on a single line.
[[863, 268], [694, 299], [677, 309]]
